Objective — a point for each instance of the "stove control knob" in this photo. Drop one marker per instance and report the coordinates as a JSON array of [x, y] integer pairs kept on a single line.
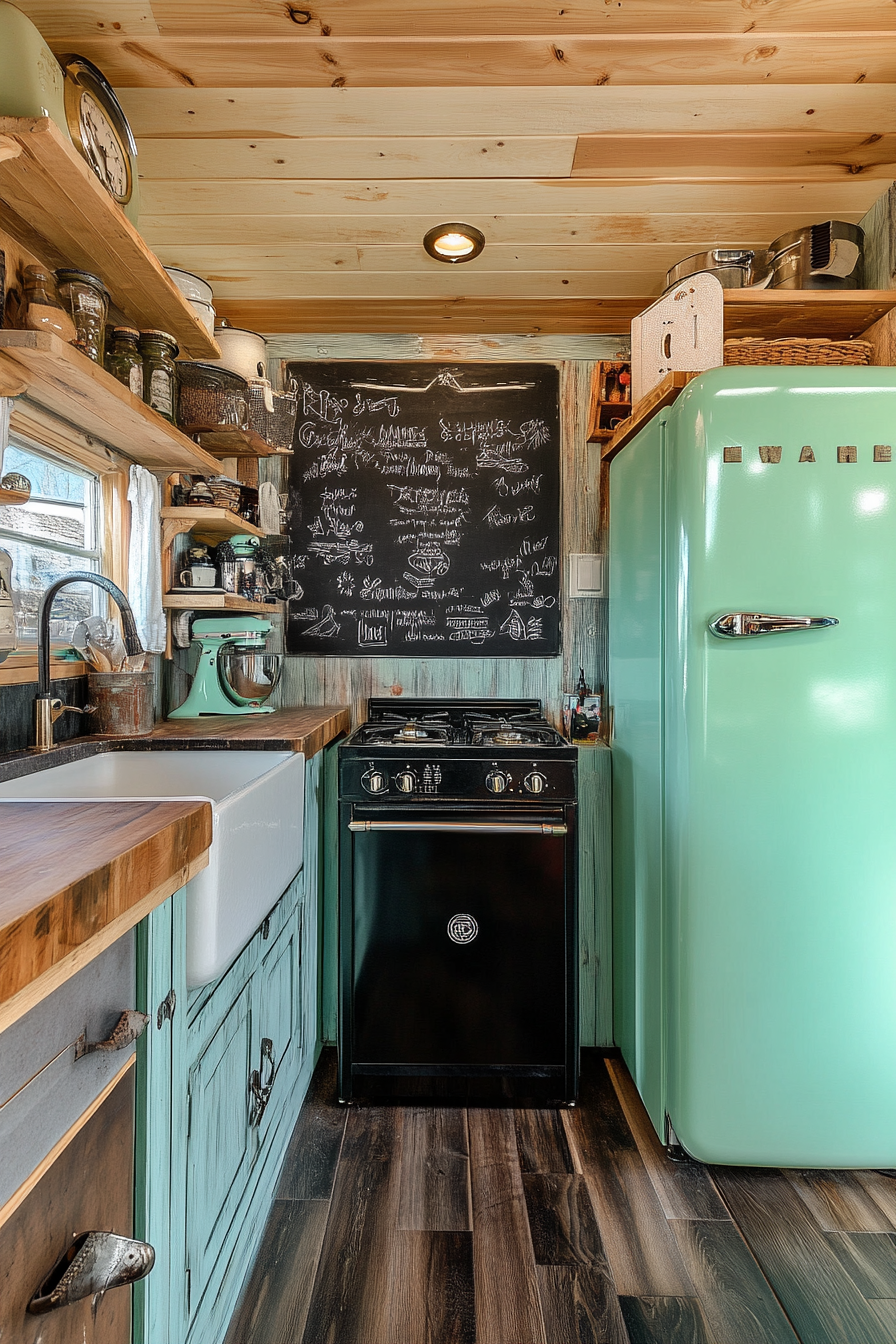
[[535, 782], [375, 781], [496, 781], [406, 781]]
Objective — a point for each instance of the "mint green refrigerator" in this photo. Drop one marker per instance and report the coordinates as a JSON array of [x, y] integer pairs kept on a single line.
[[753, 675]]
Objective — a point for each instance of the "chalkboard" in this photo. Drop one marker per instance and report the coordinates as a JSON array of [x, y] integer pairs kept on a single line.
[[424, 510]]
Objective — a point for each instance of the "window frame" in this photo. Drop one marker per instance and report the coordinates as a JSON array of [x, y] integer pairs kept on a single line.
[[111, 532]]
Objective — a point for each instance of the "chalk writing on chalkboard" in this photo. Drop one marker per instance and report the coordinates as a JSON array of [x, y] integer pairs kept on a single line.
[[424, 510]]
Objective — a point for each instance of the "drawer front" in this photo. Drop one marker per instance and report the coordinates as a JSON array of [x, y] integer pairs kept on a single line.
[[43, 1087], [88, 1187]]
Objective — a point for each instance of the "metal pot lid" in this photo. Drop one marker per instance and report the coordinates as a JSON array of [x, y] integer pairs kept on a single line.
[[224, 326]]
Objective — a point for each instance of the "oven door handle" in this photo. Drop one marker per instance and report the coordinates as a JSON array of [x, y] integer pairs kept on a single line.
[[494, 827]]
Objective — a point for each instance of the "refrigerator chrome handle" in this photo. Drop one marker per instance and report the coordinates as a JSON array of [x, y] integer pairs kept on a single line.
[[745, 624]]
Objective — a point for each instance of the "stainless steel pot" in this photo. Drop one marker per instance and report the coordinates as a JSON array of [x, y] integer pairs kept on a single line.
[[244, 352], [733, 267], [822, 256]]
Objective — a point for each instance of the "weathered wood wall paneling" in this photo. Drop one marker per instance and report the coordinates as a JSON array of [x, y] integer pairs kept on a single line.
[[880, 242]]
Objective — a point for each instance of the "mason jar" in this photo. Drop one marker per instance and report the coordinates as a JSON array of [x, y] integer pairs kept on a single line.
[[86, 300], [159, 351], [124, 361], [42, 309]]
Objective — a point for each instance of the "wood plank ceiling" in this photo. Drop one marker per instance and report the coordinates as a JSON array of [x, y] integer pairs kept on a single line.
[[296, 153]]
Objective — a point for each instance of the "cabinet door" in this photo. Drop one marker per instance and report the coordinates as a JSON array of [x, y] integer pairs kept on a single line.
[[278, 1024], [218, 1141], [161, 992]]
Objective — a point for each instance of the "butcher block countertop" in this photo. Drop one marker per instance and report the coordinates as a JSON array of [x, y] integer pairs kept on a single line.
[[307, 729], [78, 875]]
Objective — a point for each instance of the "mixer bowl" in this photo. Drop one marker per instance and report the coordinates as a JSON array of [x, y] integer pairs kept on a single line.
[[249, 675]]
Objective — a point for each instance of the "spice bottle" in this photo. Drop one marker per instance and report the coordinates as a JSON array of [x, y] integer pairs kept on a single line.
[[159, 374], [86, 300], [42, 310], [124, 360]]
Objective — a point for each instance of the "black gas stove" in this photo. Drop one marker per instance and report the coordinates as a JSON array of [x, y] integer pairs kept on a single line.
[[485, 750], [458, 920]]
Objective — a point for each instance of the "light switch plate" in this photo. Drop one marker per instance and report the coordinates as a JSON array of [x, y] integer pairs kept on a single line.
[[587, 574]]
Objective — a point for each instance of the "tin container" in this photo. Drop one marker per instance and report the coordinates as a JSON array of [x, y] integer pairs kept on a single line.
[[821, 256], [123, 703]]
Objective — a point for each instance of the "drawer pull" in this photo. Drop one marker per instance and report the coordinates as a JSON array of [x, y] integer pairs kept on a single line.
[[127, 1029], [94, 1263]]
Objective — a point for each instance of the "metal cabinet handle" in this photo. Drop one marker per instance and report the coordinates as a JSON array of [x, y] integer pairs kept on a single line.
[[745, 624], [261, 1092], [493, 827], [166, 1009]]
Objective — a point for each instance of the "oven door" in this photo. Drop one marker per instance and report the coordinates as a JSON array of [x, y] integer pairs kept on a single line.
[[457, 933]]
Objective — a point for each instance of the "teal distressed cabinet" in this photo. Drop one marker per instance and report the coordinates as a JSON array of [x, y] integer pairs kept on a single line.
[[222, 1072]]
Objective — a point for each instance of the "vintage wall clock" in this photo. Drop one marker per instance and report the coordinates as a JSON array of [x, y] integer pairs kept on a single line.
[[100, 130]]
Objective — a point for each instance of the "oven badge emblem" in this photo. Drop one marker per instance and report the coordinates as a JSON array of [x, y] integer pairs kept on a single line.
[[462, 928]]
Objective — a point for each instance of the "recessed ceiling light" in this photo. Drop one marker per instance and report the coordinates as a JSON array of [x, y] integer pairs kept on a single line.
[[454, 242]]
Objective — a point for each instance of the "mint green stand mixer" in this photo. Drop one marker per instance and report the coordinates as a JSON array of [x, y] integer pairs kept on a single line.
[[235, 672]]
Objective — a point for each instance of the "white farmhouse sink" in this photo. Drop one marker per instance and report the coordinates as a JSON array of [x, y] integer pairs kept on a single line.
[[257, 800]]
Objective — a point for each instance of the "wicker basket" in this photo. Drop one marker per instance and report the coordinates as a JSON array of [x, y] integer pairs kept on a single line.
[[209, 396], [276, 427], [797, 350]]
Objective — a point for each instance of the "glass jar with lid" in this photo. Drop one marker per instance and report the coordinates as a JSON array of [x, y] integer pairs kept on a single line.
[[86, 300], [124, 361], [159, 351], [41, 308]]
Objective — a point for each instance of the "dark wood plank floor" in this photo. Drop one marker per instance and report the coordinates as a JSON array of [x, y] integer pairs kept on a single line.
[[428, 1225]]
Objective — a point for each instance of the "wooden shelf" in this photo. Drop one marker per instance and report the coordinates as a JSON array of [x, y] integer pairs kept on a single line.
[[208, 525], [662, 395], [14, 496], [50, 196], [838, 313], [62, 379], [193, 599], [230, 441]]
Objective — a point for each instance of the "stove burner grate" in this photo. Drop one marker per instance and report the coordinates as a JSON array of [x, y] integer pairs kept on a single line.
[[432, 730]]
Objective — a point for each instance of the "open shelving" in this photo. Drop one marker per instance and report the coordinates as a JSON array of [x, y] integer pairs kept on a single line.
[[195, 599], [63, 380], [54, 204], [209, 525]]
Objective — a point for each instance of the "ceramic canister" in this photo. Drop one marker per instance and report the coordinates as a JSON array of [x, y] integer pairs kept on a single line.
[[241, 351]]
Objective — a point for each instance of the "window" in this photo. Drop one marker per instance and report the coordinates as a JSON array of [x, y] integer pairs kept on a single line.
[[57, 532]]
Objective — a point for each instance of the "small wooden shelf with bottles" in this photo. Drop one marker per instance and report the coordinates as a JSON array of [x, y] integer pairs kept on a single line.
[[610, 398]]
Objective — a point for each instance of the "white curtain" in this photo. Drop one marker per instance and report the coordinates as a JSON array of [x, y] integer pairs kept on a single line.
[[145, 559], [5, 412]]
